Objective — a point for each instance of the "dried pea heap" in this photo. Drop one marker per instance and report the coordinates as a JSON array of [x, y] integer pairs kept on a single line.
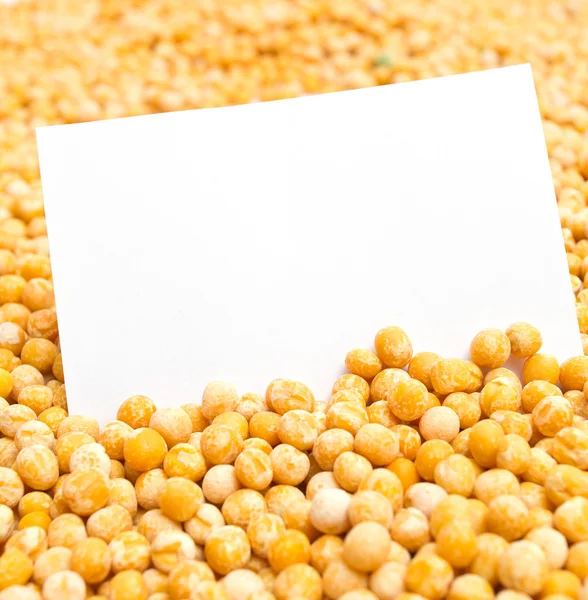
[[408, 467], [420, 478]]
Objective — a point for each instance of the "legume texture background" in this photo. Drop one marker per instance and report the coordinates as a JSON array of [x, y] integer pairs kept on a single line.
[[421, 477]]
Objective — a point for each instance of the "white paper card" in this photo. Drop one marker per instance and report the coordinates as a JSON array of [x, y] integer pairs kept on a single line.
[[261, 241]]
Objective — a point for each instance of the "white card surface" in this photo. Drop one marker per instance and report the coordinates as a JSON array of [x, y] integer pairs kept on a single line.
[[261, 241]]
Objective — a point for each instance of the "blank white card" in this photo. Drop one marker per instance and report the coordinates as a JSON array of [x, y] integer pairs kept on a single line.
[[261, 241]]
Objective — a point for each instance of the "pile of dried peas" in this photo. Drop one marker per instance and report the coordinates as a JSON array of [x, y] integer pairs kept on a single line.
[[420, 477]]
